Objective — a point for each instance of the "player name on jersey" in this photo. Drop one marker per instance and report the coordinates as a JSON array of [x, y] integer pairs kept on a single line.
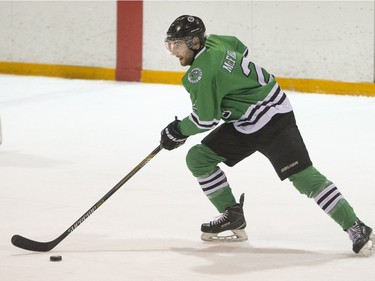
[[230, 61]]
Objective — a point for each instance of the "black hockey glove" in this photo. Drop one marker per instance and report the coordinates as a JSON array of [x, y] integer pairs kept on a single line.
[[171, 138]]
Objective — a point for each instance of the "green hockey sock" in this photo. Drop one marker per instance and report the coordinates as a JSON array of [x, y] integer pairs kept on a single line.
[[222, 199], [325, 193], [344, 215], [331, 201]]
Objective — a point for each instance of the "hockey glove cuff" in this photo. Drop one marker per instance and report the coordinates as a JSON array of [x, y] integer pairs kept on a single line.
[[171, 138]]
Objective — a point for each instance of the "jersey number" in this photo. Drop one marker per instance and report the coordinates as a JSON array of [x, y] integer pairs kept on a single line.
[[246, 64]]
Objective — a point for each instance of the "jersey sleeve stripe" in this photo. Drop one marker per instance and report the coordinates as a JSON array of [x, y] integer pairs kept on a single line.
[[204, 125]]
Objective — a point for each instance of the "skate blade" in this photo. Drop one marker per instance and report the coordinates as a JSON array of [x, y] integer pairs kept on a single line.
[[369, 248], [237, 235]]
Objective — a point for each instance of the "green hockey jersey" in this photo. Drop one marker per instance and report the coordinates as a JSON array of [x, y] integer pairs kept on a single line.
[[224, 84]]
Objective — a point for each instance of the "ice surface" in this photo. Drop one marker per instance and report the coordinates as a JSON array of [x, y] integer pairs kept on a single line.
[[66, 143]]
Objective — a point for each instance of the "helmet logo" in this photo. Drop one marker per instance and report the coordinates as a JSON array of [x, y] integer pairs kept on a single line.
[[195, 75], [190, 19]]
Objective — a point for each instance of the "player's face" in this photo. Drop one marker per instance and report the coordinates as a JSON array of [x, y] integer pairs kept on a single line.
[[179, 49]]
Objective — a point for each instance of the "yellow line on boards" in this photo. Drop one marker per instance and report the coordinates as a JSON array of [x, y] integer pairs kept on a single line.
[[170, 77], [64, 71], [292, 84]]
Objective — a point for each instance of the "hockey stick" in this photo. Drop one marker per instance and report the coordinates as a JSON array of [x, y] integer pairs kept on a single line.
[[27, 244]]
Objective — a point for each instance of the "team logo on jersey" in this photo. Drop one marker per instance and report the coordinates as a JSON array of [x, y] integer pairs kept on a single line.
[[195, 75]]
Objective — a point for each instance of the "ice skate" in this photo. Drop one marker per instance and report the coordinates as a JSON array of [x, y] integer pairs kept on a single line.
[[363, 238], [229, 227]]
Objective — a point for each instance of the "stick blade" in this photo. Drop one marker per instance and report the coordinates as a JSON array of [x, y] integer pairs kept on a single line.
[[31, 245]]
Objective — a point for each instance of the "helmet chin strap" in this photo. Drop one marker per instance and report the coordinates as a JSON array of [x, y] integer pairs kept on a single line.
[[197, 51], [201, 46]]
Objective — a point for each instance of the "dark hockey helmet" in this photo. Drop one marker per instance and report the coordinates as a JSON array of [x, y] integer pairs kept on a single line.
[[186, 28]]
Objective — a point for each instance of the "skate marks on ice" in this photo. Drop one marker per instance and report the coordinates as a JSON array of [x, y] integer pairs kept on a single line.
[[230, 259], [153, 257], [199, 258]]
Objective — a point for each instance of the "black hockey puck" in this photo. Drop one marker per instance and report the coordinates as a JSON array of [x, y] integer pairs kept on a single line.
[[55, 258]]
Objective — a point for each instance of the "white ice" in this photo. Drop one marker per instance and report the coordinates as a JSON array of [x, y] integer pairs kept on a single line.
[[66, 143]]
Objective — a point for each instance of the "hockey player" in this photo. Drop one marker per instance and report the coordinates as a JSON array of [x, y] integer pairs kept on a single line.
[[224, 84]]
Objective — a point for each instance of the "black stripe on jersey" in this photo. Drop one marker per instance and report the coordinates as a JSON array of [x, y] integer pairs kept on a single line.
[[274, 96], [265, 110], [207, 126]]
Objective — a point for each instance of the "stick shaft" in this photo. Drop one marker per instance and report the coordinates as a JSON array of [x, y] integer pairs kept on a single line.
[[28, 244]]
